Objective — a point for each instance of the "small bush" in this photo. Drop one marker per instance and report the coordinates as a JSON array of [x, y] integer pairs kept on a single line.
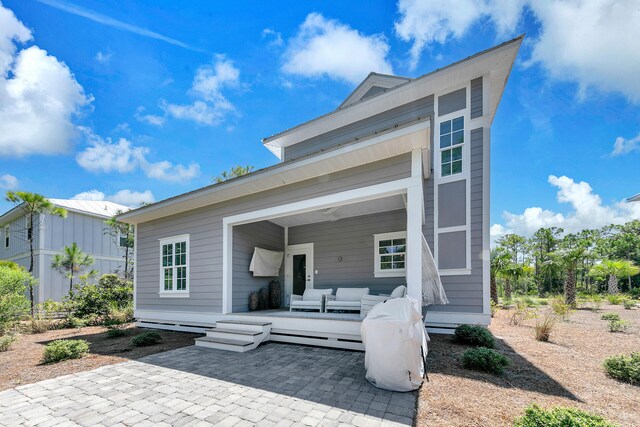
[[119, 315], [635, 293], [618, 325], [59, 350], [534, 416], [145, 339], [13, 302], [39, 325], [610, 316], [545, 326], [629, 304], [494, 308], [615, 299], [624, 368], [6, 342], [560, 308], [98, 299], [116, 332], [596, 301], [75, 322], [484, 359], [475, 335], [521, 313]]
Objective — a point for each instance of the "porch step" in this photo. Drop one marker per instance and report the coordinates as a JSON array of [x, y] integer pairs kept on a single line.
[[236, 335], [244, 322], [226, 344], [244, 325]]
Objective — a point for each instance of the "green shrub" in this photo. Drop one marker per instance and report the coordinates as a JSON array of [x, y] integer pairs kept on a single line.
[[475, 335], [484, 359], [624, 368], [618, 325], [111, 290], [534, 416], [494, 308], [75, 322], [596, 300], [610, 316], [6, 342], [629, 304], [116, 332], [59, 350], [11, 265], [119, 315], [560, 308], [13, 301], [38, 325], [635, 293], [615, 299], [145, 339]]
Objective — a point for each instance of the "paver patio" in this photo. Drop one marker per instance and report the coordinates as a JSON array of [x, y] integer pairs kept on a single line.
[[275, 384]]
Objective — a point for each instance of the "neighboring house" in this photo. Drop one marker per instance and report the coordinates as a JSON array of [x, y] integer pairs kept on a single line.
[[399, 159], [84, 225], [635, 198]]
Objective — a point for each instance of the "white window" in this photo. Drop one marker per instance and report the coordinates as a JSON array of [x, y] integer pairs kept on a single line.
[[174, 266], [451, 142], [6, 236], [390, 254]]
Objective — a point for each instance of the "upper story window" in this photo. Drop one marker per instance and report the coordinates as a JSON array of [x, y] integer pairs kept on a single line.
[[451, 143], [390, 254], [174, 265], [6, 236]]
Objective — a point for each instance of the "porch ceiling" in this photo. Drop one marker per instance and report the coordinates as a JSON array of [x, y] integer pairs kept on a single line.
[[385, 204]]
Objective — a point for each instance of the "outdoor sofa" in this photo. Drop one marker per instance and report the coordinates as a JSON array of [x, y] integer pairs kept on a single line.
[[345, 299], [311, 299]]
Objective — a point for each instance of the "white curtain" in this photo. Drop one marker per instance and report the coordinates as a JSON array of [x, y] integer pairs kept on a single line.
[[432, 290], [265, 263]]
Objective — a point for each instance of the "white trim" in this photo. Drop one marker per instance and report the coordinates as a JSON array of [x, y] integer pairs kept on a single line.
[[41, 267], [455, 272], [227, 266], [455, 318], [486, 214], [452, 229], [377, 271], [7, 236], [135, 267], [174, 292], [415, 217]]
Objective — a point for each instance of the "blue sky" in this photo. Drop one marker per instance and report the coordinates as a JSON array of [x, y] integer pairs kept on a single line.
[[145, 100]]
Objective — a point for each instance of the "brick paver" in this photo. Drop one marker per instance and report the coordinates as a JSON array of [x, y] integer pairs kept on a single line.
[[273, 385]]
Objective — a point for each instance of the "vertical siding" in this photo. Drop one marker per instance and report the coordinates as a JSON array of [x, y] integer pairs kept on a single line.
[[465, 292], [476, 98], [352, 239], [265, 235], [18, 244], [87, 231], [204, 226], [418, 109]]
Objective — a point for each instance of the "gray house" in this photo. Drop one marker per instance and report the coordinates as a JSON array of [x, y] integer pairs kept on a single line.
[[84, 225], [402, 163]]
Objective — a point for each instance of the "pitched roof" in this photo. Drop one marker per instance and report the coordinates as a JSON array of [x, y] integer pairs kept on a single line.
[[372, 85], [635, 198], [93, 207]]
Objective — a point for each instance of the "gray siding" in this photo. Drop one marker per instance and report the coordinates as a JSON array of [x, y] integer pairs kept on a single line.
[[18, 244], [87, 231], [352, 239], [372, 92], [476, 98], [465, 292], [452, 204], [452, 250], [205, 228], [453, 101], [414, 110], [266, 235]]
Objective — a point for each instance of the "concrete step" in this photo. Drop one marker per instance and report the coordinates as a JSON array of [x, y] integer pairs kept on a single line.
[[235, 334], [244, 325], [226, 344]]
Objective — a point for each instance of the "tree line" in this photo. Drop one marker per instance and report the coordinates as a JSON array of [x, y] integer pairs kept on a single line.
[[552, 262]]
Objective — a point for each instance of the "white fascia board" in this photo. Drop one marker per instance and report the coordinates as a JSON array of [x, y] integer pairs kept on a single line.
[[394, 143], [497, 62]]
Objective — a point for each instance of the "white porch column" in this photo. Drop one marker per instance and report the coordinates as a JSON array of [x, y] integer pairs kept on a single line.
[[227, 267], [415, 209]]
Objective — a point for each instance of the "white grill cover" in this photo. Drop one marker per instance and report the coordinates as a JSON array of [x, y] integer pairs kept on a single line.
[[395, 343], [265, 263]]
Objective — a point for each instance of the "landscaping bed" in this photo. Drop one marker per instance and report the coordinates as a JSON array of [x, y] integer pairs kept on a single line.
[[566, 371], [22, 364]]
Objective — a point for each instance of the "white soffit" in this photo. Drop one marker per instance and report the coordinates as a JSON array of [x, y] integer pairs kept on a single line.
[[377, 148], [496, 62]]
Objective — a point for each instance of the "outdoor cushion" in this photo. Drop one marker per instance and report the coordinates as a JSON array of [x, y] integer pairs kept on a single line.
[[315, 294], [351, 294], [306, 303], [399, 292], [343, 304]]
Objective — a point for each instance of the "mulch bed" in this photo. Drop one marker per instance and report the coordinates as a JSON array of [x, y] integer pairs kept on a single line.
[[22, 363], [566, 371]]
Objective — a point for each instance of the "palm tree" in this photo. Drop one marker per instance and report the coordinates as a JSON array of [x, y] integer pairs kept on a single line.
[[568, 259], [499, 260], [71, 262], [512, 273], [33, 206], [613, 270]]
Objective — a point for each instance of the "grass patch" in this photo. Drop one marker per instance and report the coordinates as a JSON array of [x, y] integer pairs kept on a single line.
[[146, 339], [560, 308], [59, 350], [484, 359], [535, 416], [618, 325], [6, 342], [610, 316], [545, 326], [114, 332], [624, 368], [474, 335], [629, 304], [615, 299]]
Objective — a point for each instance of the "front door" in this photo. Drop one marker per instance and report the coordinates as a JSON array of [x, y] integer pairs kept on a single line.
[[298, 270]]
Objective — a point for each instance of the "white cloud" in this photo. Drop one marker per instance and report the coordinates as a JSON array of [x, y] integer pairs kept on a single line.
[[104, 155], [102, 57], [588, 211], [274, 37], [124, 197], [8, 182], [625, 146], [151, 119], [327, 47], [210, 107], [586, 42], [39, 95]]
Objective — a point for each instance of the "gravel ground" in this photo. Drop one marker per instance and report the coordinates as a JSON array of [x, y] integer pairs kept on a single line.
[[566, 371], [22, 363]]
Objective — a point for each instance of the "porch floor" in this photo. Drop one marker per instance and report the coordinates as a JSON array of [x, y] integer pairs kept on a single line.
[[283, 312]]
